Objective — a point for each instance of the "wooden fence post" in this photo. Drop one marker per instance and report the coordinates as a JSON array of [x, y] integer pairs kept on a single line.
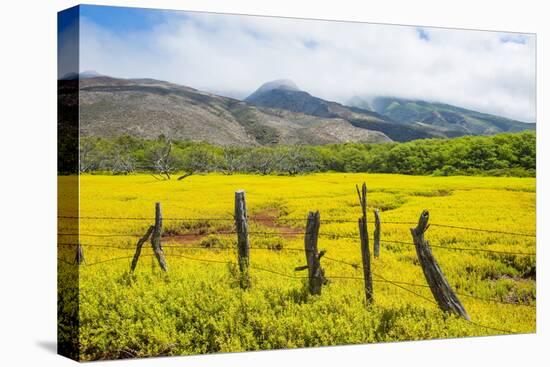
[[364, 236], [155, 238], [79, 256], [441, 290], [376, 233], [316, 274], [139, 245], [243, 246]]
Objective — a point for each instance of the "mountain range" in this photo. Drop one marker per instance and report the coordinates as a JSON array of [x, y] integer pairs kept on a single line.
[[276, 113], [446, 116]]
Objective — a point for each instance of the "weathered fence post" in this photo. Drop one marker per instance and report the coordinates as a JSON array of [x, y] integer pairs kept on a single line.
[[155, 238], [139, 245], [364, 235], [376, 233], [316, 274], [441, 290], [243, 246], [79, 256]]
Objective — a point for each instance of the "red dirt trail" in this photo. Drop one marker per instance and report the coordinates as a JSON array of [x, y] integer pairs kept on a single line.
[[266, 218]]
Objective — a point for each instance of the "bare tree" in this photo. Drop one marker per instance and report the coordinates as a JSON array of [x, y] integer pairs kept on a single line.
[[162, 161], [122, 163], [88, 156], [232, 160]]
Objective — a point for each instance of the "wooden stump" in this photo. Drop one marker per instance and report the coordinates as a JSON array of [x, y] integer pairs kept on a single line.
[[139, 245], [441, 290]]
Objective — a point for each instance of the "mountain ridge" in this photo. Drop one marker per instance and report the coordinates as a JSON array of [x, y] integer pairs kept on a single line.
[[444, 115], [148, 108], [400, 119], [278, 112], [303, 102]]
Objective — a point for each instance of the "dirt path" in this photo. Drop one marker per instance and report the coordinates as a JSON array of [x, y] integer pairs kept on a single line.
[[267, 218], [184, 238]]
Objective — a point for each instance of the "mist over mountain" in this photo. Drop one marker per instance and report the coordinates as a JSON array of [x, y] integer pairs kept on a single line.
[[284, 94], [279, 84], [83, 75], [379, 116]]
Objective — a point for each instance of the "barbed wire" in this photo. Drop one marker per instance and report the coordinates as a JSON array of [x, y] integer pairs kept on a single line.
[[466, 248], [507, 331], [114, 259], [500, 252], [290, 276], [353, 265], [98, 262], [459, 318], [356, 267], [487, 299], [486, 250], [336, 220], [181, 234], [277, 272], [282, 234], [406, 289], [143, 218], [96, 245], [483, 230], [203, 260], [399, 284]]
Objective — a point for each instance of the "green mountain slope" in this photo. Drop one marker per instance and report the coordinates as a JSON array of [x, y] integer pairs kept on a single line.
[[446, 117]]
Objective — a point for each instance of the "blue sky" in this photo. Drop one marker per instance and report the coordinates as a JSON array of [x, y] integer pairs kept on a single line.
[[121, 20], [233, 55]]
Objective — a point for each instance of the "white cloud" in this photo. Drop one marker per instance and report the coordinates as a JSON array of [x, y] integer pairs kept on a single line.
[[487, 71]]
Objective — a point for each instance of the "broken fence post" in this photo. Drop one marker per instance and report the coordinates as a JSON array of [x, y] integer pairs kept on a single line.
[[243, 246], [139, 245], [441, 290]]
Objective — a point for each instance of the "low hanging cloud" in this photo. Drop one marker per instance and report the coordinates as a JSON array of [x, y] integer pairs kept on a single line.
[[233, 55]]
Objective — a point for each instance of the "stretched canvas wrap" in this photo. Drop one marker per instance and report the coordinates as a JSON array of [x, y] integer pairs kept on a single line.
[[233, 183]]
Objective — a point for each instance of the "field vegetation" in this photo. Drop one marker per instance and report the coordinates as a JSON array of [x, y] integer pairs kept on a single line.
[[198, 306]]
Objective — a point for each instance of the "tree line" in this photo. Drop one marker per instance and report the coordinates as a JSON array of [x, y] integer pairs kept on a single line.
[[511, 154]]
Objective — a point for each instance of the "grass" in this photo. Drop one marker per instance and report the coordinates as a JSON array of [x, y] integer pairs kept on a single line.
[[198, 307]]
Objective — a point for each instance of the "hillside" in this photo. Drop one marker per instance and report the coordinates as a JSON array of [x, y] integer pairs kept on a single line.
[[147, 108], [276, 113], [285, 95], [446, 117]]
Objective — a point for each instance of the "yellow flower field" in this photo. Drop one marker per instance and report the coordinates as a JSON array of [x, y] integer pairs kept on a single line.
[[198, 307]]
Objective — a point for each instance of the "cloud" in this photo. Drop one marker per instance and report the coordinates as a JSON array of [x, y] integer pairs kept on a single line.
[[486, 71]]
